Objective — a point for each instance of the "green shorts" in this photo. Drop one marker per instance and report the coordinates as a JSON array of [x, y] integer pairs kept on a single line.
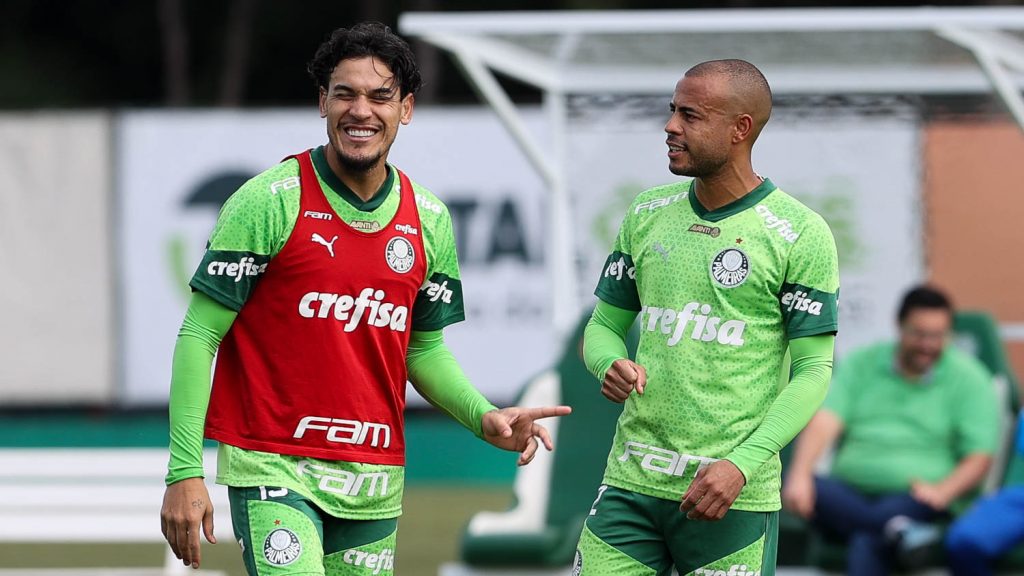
[[629, 534], [281, 533]]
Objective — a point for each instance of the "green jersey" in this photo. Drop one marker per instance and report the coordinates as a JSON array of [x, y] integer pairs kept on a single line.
[[719, 293], [896, 430], [252, 228]]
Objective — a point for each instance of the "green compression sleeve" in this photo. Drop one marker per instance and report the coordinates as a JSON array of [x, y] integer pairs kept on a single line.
[[206, 322], [437, 376], [793, 408], [604, 338]]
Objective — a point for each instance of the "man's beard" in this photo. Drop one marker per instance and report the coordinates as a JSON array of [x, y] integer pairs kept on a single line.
[[358, 165], [700, 166], [919, 363]]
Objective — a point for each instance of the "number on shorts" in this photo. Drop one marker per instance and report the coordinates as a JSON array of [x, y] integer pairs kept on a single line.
[[600, 492], [272, 493]]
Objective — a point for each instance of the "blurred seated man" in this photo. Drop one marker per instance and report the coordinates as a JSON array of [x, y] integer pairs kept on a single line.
[[993, 526], [917, 421]]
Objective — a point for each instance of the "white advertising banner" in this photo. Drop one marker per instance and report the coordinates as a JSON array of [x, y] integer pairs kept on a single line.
[[860, 173], [57, 292], [177, 168]]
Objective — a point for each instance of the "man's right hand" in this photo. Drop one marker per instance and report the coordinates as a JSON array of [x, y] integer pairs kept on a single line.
[[622, 378], [798, 495], [186, 507]]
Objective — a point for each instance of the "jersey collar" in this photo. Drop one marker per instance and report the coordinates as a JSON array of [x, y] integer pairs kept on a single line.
[[323, 169], [735, 207]]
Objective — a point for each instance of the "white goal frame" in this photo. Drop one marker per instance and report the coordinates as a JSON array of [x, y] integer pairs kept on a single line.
[[971, 50]]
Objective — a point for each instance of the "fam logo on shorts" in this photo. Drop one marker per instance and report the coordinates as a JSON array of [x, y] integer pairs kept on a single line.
[[400, 255], [730, 267], [734, 570], [577, 563], [282, 547]]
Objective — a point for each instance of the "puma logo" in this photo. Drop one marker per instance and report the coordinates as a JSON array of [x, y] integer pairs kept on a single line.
[[329, 245], [657, 247]]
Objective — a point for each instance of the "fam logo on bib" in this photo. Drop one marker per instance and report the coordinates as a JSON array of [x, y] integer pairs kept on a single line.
[[282, 547], [730, 268], [400, 254]]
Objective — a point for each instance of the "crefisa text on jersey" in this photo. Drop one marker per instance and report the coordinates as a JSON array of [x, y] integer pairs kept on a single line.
[[773, 222], [616, 268], [346, 308], [706, 326], [435, 291], [246, 266], [801, 301]]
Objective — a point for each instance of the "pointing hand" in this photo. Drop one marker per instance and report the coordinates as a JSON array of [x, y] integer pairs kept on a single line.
[[515, 429]]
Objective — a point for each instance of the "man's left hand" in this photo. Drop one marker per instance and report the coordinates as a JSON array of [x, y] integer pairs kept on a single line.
[[514, 429], [931, 495], [713, 491]]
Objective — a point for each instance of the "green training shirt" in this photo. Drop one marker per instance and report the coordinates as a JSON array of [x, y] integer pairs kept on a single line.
[[252, 228], [896, 431], [719, 294]]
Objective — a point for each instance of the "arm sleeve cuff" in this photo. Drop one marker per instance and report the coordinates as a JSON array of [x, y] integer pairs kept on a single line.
[[437, 376], [205, 324], [793, 408], [604, 338]]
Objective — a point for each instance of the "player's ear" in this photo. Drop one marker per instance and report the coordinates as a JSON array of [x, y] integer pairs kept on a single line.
[[407, 105], [742, 128], [323, 102]]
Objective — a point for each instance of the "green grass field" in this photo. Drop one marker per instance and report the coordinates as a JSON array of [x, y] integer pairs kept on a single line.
[[449, 476], [428, 535]]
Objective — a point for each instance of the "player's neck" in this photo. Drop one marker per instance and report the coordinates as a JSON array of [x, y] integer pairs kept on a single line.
[[366, 184], [363, 184], [725, 187]]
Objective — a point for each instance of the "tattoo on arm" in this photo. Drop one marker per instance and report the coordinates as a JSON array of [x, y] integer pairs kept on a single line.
[[198, 503]]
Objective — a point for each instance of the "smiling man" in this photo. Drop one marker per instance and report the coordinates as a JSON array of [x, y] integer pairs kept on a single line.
[[323, 289], [918, 424]]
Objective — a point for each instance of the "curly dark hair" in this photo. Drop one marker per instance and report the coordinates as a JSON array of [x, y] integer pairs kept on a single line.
[[368, 39]]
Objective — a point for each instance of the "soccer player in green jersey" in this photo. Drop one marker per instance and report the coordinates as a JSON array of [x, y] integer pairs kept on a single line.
[[726, 272], [327, 281]]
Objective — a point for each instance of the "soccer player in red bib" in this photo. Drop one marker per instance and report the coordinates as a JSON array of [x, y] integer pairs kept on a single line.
[[325, 286]]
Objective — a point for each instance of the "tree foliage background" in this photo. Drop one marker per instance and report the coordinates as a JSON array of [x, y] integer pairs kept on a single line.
[[249, 53]]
